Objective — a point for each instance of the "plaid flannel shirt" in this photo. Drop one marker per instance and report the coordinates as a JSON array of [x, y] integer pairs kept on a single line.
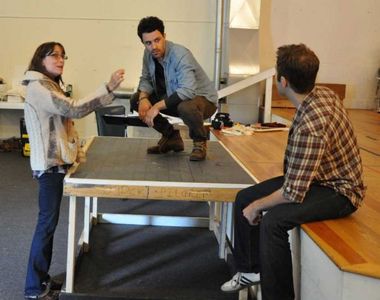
[[322, 149]]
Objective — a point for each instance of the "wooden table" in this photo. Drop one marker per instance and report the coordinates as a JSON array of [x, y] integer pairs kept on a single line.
[[120, 168]]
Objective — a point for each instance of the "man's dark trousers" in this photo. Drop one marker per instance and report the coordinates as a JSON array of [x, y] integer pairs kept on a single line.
[[265, 248]]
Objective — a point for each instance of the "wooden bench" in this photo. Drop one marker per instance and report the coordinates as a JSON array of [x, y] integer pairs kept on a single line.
[[338, 259], [353, 243]]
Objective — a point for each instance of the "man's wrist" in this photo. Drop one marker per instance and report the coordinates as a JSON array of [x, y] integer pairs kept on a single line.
[[143, 97], [256, 206], [157, 106]]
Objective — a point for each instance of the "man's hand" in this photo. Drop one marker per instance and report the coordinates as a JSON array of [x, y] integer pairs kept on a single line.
[[152, 112], [150, 115], [144, 106], [252, 214]]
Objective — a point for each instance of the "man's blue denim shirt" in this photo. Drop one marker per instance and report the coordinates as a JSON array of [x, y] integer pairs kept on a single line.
[[183, 75]]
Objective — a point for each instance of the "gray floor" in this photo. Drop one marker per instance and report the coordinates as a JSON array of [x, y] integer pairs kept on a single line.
[[18, 211], [136, 260]]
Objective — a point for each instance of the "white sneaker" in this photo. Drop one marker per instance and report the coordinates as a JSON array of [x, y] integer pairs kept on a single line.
[[240, 281]]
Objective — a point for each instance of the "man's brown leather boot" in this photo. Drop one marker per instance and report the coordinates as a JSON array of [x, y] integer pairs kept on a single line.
[[172, 143], [199, 151]]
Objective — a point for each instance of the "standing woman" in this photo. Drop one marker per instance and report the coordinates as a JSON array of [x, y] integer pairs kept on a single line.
[[54, 148]]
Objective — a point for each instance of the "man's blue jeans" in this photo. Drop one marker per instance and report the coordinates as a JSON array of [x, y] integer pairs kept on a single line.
[[50, 196], [265, 248]]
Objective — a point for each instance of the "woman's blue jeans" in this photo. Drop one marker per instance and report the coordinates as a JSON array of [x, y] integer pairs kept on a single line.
[[50, 196], [265, 248]]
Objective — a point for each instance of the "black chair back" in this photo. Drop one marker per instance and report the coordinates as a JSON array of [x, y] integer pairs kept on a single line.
[[105, 129]]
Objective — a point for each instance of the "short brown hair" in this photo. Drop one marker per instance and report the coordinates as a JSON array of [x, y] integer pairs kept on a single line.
[[299, 65]]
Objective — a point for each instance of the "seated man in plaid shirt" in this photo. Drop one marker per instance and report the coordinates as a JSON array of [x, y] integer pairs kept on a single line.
[[322, 180]]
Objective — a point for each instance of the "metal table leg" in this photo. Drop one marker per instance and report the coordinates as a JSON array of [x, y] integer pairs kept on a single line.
[[86, 228], [71, 249], [223, 231]]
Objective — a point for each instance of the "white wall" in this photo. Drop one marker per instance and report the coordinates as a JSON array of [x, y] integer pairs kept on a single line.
[[99, 36], [345, 34]]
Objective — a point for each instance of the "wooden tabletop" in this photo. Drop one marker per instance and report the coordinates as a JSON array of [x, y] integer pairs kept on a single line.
[[262, 153], [352, 243]]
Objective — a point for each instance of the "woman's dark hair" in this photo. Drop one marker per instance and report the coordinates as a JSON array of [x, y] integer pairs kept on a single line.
[[41, 52], [150, 24], [299, 65]]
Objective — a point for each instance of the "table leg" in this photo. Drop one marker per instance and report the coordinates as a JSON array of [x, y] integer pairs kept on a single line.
[[71, 250], [211, 216], [94, 210], [223, 231], [86, 227], [243, 294], [230, 222]]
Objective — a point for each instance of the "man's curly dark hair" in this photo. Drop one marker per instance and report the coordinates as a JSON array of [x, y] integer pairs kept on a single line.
[[150, 24]]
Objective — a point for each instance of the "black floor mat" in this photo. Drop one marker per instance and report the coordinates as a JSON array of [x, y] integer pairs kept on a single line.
[[147, 262]]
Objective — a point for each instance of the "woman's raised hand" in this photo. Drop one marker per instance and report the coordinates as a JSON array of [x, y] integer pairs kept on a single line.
[[116, 78]]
